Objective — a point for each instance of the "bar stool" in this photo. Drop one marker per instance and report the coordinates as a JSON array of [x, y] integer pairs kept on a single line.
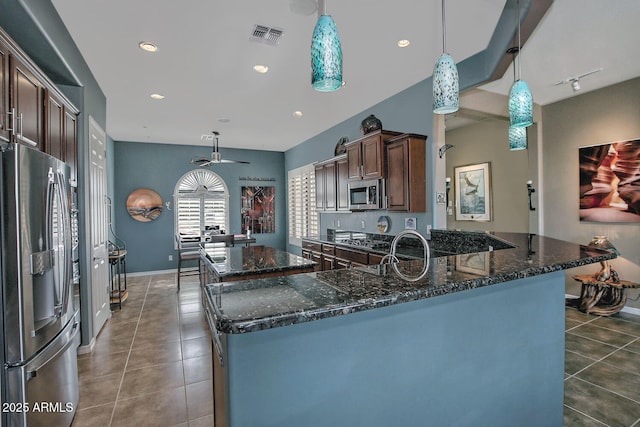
[[186, 256]]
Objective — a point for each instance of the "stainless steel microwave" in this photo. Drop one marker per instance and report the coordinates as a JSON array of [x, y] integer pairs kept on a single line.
[[366, 195]]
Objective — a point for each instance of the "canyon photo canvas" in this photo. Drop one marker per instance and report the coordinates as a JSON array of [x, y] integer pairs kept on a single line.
[[610, 182]]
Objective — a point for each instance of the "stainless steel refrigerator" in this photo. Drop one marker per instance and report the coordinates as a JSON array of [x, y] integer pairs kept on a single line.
[[39, 323]]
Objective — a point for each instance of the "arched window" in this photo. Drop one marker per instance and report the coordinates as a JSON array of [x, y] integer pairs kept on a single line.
[[200, 199]]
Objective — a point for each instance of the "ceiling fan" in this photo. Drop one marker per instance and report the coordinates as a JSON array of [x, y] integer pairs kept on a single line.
[[216, 157]]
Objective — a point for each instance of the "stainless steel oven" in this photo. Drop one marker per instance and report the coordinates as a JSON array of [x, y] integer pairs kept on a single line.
[[366, 195]]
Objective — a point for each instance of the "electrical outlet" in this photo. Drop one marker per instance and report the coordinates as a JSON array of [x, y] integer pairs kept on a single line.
[[363, 224], [170, 257], [338, 223]]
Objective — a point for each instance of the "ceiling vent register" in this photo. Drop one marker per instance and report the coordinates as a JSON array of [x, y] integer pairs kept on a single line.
[[268, 35]]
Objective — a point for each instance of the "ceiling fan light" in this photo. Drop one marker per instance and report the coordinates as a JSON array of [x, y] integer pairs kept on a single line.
[[446, 92], [517, 138], [326, 56], [520, 105]]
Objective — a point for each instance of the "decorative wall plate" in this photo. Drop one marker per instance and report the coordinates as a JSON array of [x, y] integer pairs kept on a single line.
[[144, 205], [383, 224]]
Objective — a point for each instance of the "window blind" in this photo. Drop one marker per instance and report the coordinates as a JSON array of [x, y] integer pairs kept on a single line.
[[303, 218]]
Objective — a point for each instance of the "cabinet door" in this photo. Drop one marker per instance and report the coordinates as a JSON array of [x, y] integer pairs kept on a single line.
[[397, 176], [353, 161], [5, 120], [372, 160], [374, 259], [71, 144], [328, 262], [320, 188], [330, 186], [27, 99], [342, 185], [54, 135], [317, 257]]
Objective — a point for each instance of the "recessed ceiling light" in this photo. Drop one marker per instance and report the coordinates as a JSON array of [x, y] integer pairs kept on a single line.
[[224, 120], [157, 96], [297, 113], [148, 46], [403, 43], [261, 68]]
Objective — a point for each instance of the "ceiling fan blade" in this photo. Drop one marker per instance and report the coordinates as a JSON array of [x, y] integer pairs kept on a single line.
[[234, 161], [216, 157], [199, 161]]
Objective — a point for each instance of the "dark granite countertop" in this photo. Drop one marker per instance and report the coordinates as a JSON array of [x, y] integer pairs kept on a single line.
[[253, 305], [242, 261]]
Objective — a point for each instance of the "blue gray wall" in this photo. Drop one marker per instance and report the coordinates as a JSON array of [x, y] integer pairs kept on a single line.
[[159, 167], [408, 111]]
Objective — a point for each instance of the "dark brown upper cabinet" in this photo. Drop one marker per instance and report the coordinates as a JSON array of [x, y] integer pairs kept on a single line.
[[406, 176], [365, 156]]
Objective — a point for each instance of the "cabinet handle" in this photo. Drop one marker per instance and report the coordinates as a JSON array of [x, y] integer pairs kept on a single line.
[[20, 133], [12, 113]]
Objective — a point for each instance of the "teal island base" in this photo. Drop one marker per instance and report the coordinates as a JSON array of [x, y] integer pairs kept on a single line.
[[491, 356]]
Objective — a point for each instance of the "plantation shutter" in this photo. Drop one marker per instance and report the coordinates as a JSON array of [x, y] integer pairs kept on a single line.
[[303, 218], [201, 201]]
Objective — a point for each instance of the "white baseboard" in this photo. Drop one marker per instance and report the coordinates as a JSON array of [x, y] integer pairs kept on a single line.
[[625, 309], [87, 348]]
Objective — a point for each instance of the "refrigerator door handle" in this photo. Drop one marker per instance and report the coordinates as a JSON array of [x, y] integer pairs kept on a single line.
[[65, 234]]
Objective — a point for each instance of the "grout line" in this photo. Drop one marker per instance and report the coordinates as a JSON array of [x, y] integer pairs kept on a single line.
[[184, 378], [606, 389], [115, 405], [587, 415]]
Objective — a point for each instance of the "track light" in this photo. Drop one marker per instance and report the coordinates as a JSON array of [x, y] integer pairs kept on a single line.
[[575, 85]]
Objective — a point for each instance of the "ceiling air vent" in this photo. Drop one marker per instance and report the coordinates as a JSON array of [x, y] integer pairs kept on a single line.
[[268, 35]]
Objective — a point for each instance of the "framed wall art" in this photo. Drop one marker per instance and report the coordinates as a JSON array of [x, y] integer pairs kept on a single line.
[[473, 192], [258, 209], [144, 205], [610, 182]]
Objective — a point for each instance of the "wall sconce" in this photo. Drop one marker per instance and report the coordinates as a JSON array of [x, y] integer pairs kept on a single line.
[[530, 190], [168, 205], [447, 182], [443, 149]]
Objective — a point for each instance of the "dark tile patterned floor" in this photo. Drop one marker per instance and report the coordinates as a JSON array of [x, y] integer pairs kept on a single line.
[[151, 364], [602, 370]]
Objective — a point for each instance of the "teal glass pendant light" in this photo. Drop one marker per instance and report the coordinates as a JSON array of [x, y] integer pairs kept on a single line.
[[520, 98], [517, 138], [446, 87], [326, 53]]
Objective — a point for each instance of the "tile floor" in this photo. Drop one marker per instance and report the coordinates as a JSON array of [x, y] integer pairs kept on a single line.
[[151, 365], [602, 370]]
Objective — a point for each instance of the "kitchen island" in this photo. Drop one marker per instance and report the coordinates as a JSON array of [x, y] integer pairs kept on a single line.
[[223, 264], [478, 341]]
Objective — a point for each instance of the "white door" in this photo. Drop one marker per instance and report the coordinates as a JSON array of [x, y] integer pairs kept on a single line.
[[99, 238]]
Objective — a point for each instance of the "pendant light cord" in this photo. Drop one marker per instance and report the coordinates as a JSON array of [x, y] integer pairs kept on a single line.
[[322, 8], [519, 45], [444, 30]]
